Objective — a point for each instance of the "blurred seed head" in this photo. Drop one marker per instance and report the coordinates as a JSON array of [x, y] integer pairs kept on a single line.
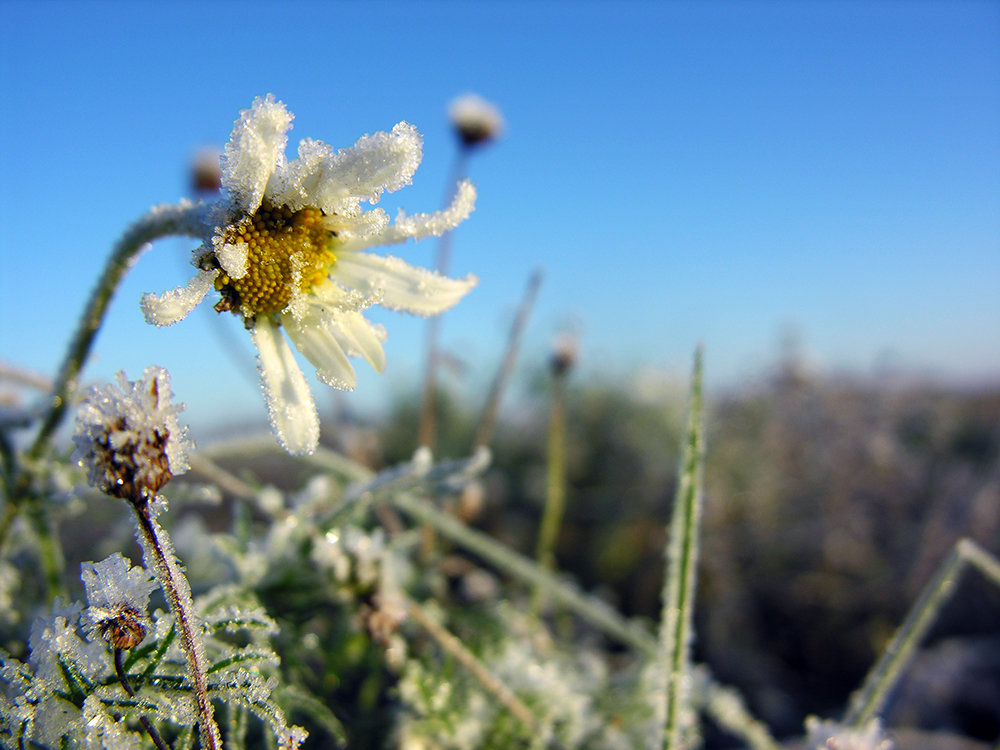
[[476, 121], [206, 172], [565, 350]]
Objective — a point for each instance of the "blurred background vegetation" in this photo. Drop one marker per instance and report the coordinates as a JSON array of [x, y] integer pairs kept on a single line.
[[830, 500]]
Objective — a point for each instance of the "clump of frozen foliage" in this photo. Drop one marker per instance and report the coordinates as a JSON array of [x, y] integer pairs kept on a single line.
[[68, 688]]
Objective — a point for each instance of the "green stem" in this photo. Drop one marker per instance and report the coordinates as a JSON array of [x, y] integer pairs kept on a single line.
[[555, 484], [49, 548], [183, 219]]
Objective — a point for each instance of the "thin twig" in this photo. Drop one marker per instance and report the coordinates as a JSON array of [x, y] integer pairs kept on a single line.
[[476, 668], [555, 484], [487, 422]]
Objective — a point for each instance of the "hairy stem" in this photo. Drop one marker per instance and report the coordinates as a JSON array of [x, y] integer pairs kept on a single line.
[[182, 219], [677, 620], [160, 557]]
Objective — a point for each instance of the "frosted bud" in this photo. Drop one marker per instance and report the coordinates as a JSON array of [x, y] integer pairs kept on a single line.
[[475, 120], [118, 595], [128, 437]]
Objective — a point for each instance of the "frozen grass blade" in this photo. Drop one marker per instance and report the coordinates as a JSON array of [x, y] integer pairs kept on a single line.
[[597, 613], [871, 697], [675, 704]]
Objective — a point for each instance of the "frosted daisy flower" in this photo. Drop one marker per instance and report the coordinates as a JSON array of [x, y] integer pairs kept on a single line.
[[282, 247], [128, 436]]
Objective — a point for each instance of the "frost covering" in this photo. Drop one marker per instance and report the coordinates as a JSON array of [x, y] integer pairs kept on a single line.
[[283, 247], [128, 436]]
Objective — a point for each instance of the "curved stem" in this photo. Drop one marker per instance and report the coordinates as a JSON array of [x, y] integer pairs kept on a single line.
[[162, 221], [183, 219]]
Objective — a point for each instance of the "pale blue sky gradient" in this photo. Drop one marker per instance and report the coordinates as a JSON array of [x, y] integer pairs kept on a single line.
[[683, 172]]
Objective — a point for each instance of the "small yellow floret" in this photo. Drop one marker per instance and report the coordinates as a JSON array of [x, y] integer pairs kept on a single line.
[[287, 251]]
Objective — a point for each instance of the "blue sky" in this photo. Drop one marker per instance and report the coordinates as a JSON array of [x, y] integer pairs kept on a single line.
[[683, 172]]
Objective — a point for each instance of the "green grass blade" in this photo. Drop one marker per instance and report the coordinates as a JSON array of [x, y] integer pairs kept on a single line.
[[674, 702]]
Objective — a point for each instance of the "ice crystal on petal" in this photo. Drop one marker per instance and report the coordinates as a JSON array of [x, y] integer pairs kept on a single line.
[[289, 401], [282, 246], [128, 436], [233, 259], [169, 307]]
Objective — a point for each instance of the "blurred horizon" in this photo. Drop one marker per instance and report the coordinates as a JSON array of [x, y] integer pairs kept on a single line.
[[736, 175]]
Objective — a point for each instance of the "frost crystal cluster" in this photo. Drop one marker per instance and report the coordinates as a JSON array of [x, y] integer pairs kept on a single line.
[[128, 436], [283, 248]]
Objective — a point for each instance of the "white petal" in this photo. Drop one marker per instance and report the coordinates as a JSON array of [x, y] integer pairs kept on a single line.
[[312, 335], [167, 308], [396, 284], [256, 148], [337, 181], [359, 337], [289, 401], [419, 226], [233, 259]]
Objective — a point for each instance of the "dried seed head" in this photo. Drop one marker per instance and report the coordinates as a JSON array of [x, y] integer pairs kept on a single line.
[[205, 172], [564, 354], [128, 437]]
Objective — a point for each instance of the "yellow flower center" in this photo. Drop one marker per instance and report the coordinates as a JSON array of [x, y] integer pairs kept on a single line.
[[287, 251]]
